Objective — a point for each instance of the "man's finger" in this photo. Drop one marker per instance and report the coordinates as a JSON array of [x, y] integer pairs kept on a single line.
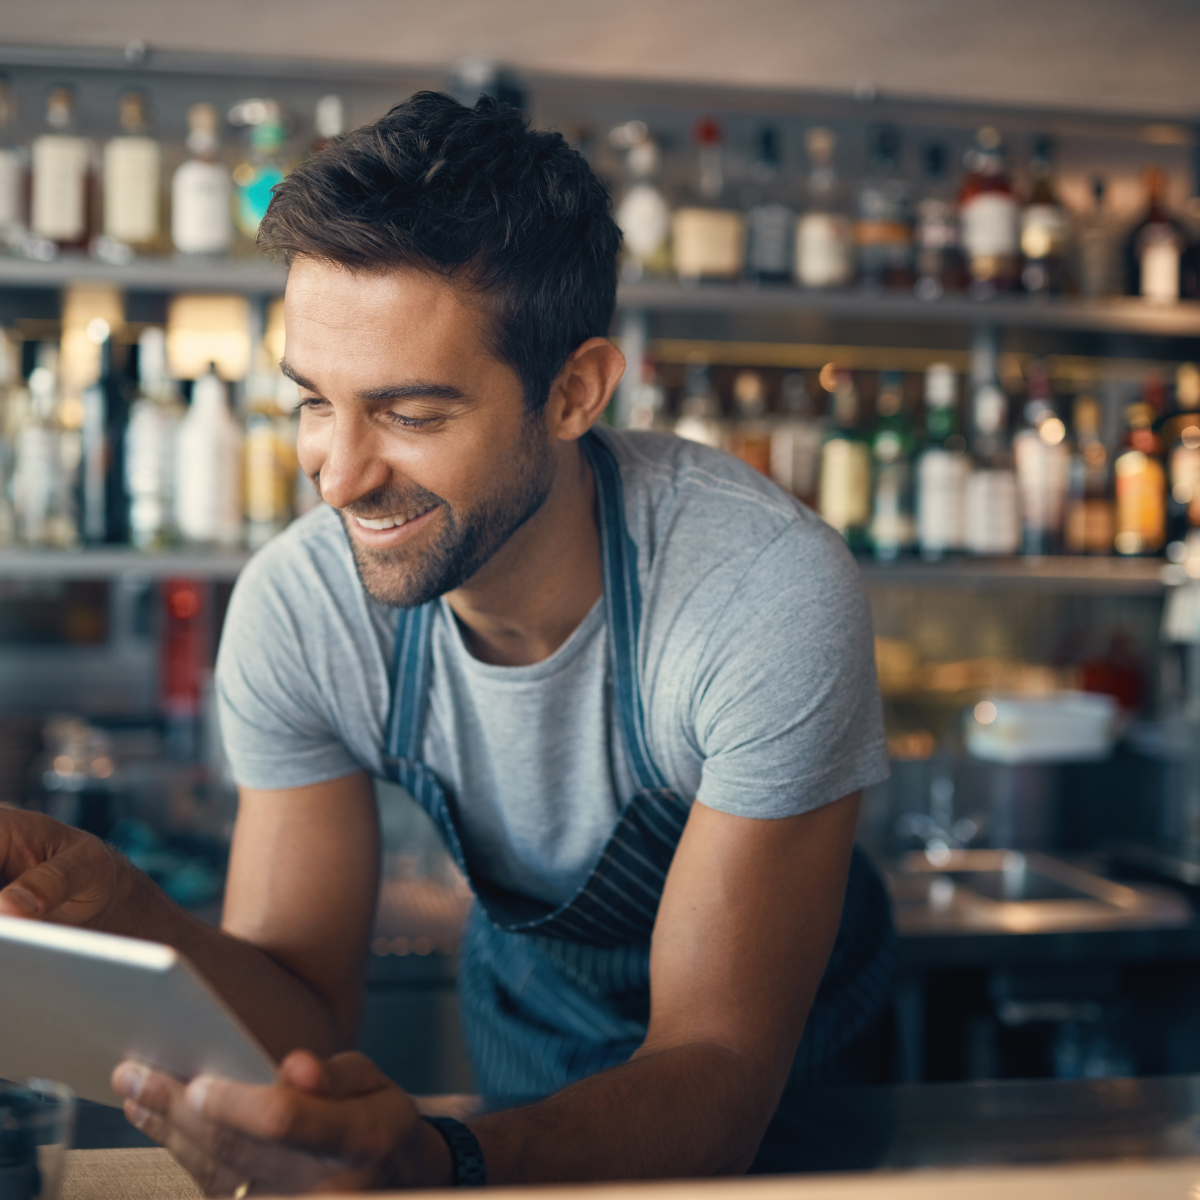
[[45, 888], [343, 1075]]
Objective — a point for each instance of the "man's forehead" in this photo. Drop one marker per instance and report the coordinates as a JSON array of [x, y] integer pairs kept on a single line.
[[328, 293]]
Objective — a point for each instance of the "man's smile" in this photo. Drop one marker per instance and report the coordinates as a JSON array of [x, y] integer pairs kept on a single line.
[[380, 533]]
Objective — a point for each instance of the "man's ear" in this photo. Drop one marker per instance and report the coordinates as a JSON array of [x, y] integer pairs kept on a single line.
[[581, 391]]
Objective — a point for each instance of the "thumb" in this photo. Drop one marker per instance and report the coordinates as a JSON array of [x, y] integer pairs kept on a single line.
[[73, 874], [339, 1077]]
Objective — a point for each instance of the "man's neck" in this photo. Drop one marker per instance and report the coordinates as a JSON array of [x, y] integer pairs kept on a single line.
[[534, 592]]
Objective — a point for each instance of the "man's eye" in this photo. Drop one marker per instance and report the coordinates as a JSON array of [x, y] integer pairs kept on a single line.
[[310, 402], [409, 422]]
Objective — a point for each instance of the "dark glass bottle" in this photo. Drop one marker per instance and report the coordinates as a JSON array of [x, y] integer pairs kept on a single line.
[[770, 221], [883, 231], [1155, 247], [937, 237], [1044, 228]]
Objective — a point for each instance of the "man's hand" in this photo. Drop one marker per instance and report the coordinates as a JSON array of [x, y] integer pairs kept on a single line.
[[338, 1125], [51, 871]]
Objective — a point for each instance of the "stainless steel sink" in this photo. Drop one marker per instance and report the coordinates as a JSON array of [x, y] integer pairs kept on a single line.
[[1012, 891]]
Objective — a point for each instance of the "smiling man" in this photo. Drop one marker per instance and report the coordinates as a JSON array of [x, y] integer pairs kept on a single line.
[[629, 679]]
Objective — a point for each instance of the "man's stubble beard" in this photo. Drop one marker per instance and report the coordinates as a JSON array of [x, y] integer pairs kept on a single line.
[[407, 578]]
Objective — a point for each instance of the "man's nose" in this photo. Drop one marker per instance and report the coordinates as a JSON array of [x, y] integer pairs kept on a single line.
[[350, 466]]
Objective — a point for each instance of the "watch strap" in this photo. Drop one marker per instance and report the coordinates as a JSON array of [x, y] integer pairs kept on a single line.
[[465, 1155]]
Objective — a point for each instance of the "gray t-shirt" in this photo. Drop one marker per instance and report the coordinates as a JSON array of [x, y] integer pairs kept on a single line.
[[755, 651]]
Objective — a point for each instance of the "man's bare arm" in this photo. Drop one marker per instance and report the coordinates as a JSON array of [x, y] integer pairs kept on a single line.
[[302, 884]]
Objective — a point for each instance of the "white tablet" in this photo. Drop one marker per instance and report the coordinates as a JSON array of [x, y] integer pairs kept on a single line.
[[74, 1003]]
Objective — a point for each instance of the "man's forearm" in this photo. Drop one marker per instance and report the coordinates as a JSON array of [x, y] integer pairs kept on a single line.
[[282, 1011], [690, 1110]]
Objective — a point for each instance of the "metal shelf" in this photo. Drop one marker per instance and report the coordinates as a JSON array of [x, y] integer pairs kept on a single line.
[[1115, 315], [121, 562], [1109, 576], [177, 274]]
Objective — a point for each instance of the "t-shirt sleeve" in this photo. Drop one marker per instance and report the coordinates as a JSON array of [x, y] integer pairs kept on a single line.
[[275, 727], [787, 713]]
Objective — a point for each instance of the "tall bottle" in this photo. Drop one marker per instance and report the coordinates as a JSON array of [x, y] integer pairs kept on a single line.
[[796, 439], [989, 214], [1042, 458], [883, 233], [936, 237], [845, 485], [1181, 435], [824, 235], [133, 179], [750, 431], [202, 190], [1088, 528], [150, 447], [44, 473], [12, 170], [770, 220], [942, 469], [263, 168], [992, 516], [708, 236], [104, 502], [1045, 228], [700, 411], [893, 529], [60, 207], [643, 213], [14, 401], [1097, 269], [208, 467], [1140, 480], [1155, 246]]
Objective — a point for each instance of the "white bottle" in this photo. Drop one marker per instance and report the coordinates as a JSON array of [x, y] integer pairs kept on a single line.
[[643, 214], [796, 440], [12, 169], [150, 447], [132, 178], [202, 191], [46, 463], [993, 524], [942, 470], [824, 239], [208, 498], [58, 208]]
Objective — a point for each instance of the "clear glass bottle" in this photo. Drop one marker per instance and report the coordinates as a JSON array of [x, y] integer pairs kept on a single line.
[[845, 484], [770, 220], [883, 231], [649, 407], [1097, 270], [1140, 480], [1045, 228], [1042, 459], [796, 439], [150, 447], [1155, 246], [893, 529], [202, 190], [643, 213], [992, 523], [46, 463], [936, 237], [1088, 528], [708, 236], [750, 431], [329, 123], [61, 183], [1181, 436], [700, 411], [13, 166], [989, 213], [942, 469], [208, 470], [824, 235], [263, 167], [132, 174]]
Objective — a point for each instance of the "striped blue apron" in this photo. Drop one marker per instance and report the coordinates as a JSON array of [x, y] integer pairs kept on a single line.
[[551, 994]]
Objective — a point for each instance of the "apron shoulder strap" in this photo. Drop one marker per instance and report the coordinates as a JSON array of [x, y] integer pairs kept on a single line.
[[410, 683]]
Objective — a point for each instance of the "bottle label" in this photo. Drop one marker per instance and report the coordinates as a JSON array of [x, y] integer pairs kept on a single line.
[[989, 225], [708, 243], [132, 184], [645, 221], [941, 479], [892, 523], [824, 250], [845, 500], [769, 244], [58, 205], [1141, 519], [1160, 267], [992, 522], [1043, 474], [1043, 231], [201, 213], [796, 456], [10, 189]]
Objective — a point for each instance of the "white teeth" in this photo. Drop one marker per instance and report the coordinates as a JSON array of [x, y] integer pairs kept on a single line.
[[389, 522]]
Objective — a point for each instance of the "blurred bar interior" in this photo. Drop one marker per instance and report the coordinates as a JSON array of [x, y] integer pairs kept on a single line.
[[955, 308]]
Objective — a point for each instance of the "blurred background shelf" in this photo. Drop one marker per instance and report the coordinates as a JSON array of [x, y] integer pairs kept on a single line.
[[176, 274], [121, 563], [1108, 576]]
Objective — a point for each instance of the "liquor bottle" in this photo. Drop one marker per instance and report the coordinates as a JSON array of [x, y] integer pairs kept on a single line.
[[208, 499], [708, 237], [269, 457], [202, 191], [1042, 459], [989, 214], [13, 406], [942, 469], [700, 411], [883, 234], [824, 235], [1140, 480], [103, 500], [60, 207], [937, 238], [1044, 228], [796, 440], [1088, 528], [770, 220], [1155, 246], [150, 447], [643, 213], [649, 407], [12, 171], [263, 168], [1097, 269], [46, 461], [1181, 434], [845, 485], [329, 123], [992, 524], [892, 526], [133, 179], [750, 431]]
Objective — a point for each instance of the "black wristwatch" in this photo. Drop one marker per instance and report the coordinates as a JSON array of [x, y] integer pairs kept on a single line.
[[465, 1154]]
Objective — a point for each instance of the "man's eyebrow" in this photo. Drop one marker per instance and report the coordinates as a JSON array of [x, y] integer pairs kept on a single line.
[[419, 389]]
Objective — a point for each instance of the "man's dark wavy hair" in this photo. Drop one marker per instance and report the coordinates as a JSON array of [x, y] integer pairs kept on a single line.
[[477, 197]]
